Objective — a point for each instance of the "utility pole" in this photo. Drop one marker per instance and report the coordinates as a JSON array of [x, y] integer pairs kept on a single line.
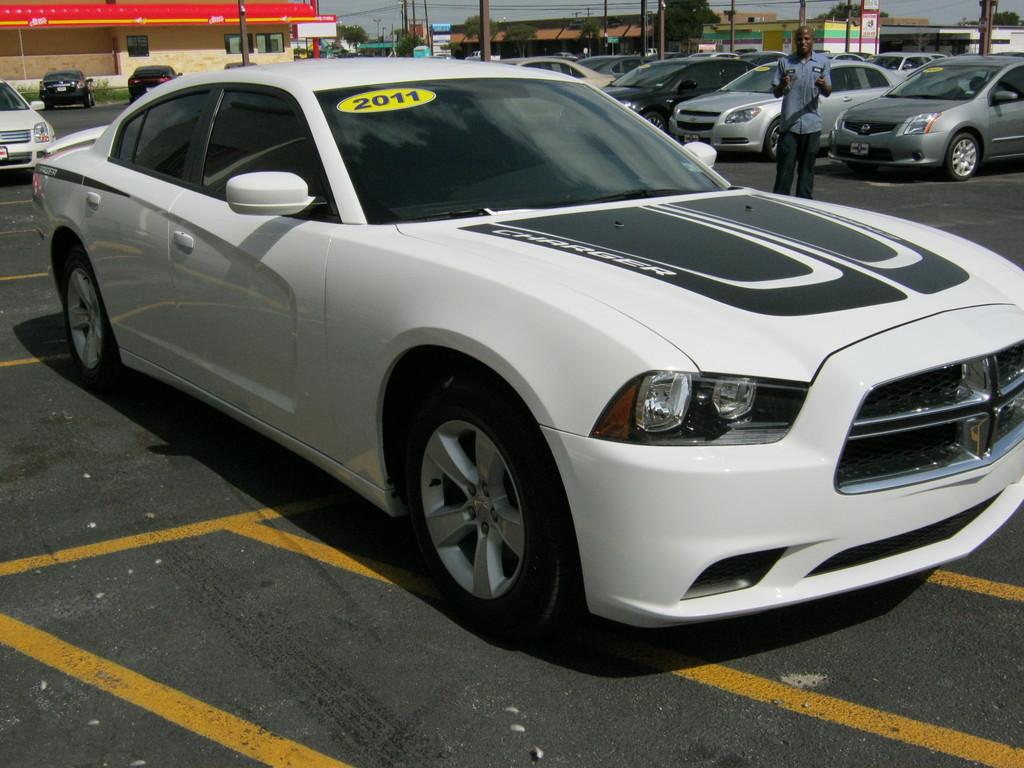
[[803, 12], [244, 41], [485, 30], [732, 27]]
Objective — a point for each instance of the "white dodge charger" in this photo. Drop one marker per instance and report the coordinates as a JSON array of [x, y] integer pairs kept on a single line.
[[593, 373]]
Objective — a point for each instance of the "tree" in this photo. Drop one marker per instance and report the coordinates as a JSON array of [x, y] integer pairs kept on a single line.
[[1006, 19], [406, 44], [590, 32], [685, 19], [353, 34], [520, 35], [471, 28]]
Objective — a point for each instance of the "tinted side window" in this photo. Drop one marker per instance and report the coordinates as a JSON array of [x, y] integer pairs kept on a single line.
[[705, 75], [259, 132], [730, 71], [875, 78], [844, 79], [159, 139], [1013, 81]]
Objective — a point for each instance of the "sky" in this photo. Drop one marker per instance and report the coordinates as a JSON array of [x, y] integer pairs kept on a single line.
[[389, 12]]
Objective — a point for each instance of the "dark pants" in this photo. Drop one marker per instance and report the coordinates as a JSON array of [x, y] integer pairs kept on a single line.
[[797, 152]]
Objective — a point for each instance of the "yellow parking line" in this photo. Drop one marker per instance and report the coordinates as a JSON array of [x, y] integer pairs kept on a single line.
[[22, 277], [32, 360], [215, 724], [389, 574], [159, 537], [933, 737], [972, 584]]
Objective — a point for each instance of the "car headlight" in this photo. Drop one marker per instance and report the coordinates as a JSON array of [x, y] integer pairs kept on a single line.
[[919, 123], [41, 133], [673, 408], [743, 115], [629, 104]]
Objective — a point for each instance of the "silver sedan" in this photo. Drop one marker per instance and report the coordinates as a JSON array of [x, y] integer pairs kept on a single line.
[[953, 114], [744, 116]]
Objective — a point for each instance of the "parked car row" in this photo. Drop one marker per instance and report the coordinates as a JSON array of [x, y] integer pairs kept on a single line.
[[954, 113]]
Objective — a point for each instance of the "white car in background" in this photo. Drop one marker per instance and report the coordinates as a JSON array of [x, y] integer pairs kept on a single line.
[[744, 116], [24, 134], [566, 67], [500, 302]]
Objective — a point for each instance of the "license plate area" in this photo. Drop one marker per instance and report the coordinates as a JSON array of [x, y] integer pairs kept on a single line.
[[860, 148]]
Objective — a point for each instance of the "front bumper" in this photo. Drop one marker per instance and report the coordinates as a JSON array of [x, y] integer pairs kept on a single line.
[[651, 521], [924, 150]]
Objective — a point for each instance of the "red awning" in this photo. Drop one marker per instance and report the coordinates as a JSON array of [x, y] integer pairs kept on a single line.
[[36, 16]]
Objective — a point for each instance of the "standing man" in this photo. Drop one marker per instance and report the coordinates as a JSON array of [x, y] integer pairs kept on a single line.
[[799, 79]]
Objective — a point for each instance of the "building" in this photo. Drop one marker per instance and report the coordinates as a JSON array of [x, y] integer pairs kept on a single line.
[[836, 36], [111, 39]]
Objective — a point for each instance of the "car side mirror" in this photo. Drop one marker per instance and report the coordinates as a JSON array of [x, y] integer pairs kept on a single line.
[[1003, 95], [687, 85], [268, 193]]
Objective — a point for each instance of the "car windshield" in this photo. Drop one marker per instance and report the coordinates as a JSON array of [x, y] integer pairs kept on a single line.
[[652, 75], [935, 81], [10, 100], [56, 76], [451, 148], [758, 80]]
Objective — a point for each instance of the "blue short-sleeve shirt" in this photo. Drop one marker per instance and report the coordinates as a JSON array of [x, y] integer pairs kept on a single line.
[[800, 103]]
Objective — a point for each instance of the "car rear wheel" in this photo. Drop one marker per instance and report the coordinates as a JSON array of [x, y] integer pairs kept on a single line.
[[490, 513], [770, 150], [87, 326], [962, 157]]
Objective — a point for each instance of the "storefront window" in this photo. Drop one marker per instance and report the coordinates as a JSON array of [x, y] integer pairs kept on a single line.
[[138, 45]]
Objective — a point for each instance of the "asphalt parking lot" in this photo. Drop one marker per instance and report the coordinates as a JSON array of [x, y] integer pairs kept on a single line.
[[176, 590]]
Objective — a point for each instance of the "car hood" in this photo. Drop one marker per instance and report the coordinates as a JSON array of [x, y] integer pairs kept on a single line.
[[723, 101], [19, 119], [739, 279], [896, 109]]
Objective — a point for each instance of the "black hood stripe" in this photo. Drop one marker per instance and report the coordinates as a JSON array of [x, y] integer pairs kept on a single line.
[[772, 270]]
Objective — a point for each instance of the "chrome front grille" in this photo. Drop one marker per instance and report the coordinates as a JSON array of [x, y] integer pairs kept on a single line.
[[938, 422], [868, 128], [15, 137]]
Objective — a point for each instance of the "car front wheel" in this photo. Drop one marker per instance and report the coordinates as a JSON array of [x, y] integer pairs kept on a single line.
[[770, 150], [962, 157], [657, 120], [87, 326], [490, 513]]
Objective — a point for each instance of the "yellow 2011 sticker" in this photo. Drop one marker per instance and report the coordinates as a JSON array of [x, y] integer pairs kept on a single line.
[[934, 69], [387, 100]]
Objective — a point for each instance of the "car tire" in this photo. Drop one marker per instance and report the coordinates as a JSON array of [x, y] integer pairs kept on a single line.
[[655, 118], [770, 149], [962, 157], [490, 512], [47, 105], [87, 327]]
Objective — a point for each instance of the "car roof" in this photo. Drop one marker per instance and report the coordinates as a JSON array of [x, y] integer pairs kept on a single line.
[[323, 74], [63, 73]]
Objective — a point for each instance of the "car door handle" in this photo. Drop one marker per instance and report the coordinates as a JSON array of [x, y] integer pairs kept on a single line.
[[184, 240], [92, 199]]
